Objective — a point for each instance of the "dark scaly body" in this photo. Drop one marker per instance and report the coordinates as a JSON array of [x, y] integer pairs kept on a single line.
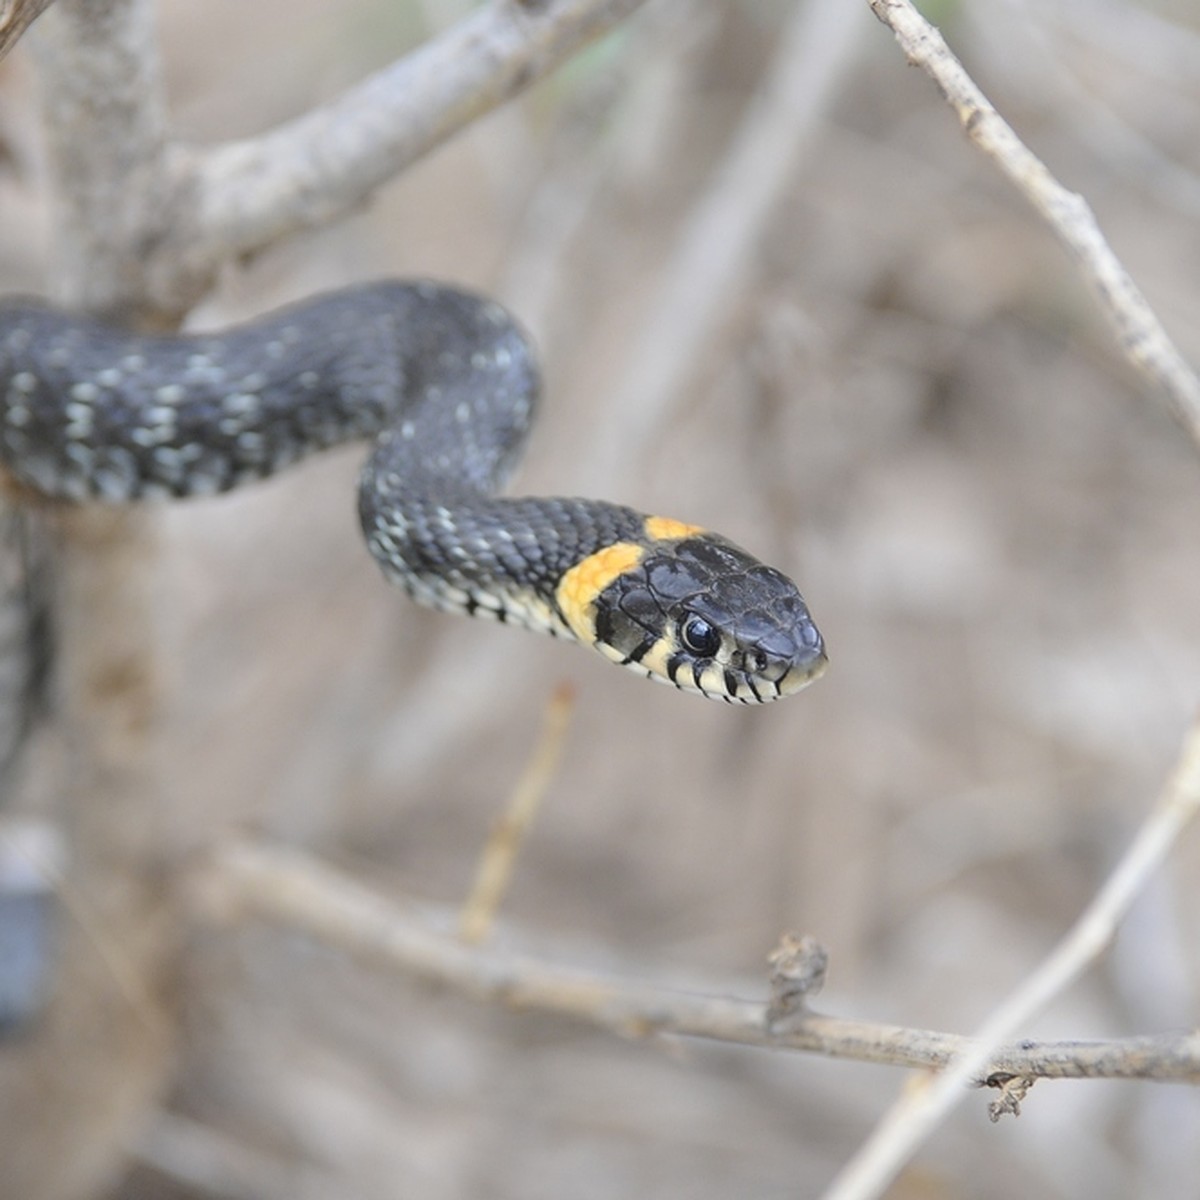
[[446, 384]]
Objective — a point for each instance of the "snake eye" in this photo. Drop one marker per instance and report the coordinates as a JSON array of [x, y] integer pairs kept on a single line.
[[699, 636]]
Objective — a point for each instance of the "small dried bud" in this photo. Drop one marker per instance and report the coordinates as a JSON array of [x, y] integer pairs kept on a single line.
[[797, 972]]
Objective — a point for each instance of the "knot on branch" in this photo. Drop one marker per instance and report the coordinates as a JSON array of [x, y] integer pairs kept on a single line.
[[1013, 1090], [797, 972]]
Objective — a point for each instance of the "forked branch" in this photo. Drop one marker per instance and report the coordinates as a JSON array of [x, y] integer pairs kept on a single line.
[[238, 197]]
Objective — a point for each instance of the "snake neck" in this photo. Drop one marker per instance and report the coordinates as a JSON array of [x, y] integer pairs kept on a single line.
[[455, 546]]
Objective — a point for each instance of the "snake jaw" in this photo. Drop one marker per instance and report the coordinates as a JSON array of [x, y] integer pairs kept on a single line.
[[749, 674], [805, 671]]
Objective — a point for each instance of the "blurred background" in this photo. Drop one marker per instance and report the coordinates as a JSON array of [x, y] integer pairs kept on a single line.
[[812, 317]]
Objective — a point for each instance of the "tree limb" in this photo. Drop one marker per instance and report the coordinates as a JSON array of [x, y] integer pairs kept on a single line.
[[239, 197], [817, 48], [15, 17], [1140, 334], [104, 111], [104, 1031], [249, 881]]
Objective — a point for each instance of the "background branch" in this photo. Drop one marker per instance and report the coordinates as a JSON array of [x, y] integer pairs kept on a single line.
[[15, 17], [898, 394], [1140, 334], [108, 1028], [104, 114], [716, 247], [919, 1110], [250, 881], [239, 197]]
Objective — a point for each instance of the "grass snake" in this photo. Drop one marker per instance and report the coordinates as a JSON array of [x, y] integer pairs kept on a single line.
[[445, 383]]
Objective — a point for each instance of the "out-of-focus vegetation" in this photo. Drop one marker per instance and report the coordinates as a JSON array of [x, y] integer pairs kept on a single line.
[[911, 404]]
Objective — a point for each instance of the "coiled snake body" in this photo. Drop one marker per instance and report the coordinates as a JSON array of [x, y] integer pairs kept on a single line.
[[446, 384]]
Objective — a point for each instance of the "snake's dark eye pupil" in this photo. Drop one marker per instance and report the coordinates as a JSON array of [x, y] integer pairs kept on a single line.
[[699, 636]]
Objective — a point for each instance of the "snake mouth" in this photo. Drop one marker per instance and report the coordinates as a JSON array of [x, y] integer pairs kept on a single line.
[[763, 688], [772, 679], [798, 677], [778, 663], [715, 681]]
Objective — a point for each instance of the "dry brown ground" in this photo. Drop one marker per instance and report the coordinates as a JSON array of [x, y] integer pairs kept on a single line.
[[913, 407]]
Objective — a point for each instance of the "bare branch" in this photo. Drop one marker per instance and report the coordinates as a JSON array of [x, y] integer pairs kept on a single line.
[[499, 857], [716, 245], [105, 120], [918, 1111], [1140, 334], [104, 124], [15, 17], [241, 196], [249, 881]]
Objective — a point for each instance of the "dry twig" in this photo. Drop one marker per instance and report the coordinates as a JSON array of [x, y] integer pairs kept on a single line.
[[1140, 334], [919, 1110], [15, 17], [239, 197], [500, 853], [258, 882], [716, 245]]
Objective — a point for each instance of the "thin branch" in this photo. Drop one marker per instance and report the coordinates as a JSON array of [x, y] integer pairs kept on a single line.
[[1140, 334], [499, 856], [257, 882], [1121, 146], [716, 246], [241, 196], [15, 17], [918, 1111]]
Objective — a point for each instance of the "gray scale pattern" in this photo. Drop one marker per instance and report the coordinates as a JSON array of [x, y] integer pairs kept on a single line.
[[446, 384], [445, 381]]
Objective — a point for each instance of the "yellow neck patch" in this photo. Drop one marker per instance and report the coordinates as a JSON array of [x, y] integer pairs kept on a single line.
[[662, 529], [579, 588]]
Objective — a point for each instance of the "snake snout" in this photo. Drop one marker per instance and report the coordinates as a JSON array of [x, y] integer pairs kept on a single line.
[[781, 657], [806, 662]]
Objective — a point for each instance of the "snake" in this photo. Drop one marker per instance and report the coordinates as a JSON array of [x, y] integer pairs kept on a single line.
[[444, 384]]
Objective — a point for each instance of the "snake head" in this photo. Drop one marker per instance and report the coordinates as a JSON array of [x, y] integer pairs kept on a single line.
[[703, 614]]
